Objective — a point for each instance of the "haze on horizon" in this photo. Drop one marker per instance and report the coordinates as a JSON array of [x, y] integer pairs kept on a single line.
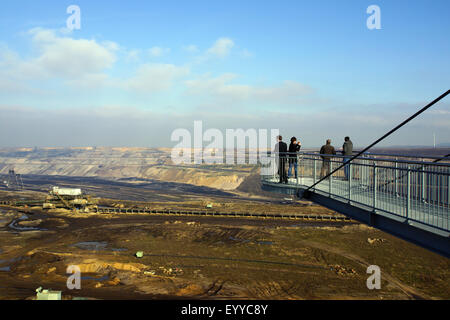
[[135, 72]]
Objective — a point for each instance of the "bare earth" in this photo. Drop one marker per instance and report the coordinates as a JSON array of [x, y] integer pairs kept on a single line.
[[211, 257], [193, 256]]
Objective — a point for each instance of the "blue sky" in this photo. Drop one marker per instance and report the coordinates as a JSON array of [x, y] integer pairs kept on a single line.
[[137, 70]]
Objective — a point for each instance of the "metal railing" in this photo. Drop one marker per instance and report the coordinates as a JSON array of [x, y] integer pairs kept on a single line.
[[414, 190]]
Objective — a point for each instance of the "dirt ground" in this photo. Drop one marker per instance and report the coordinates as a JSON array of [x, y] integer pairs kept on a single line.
[[210, 257]]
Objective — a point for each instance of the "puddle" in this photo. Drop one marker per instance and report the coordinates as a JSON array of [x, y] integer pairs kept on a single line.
[[239, 240], [13, 225], [103, 278], [96, 246], [91, 245], [247, 241], [265, 242], [8, 261]]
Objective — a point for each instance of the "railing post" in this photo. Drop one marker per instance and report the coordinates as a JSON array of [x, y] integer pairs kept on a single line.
[[349, 182], [448, 189], [396, 177], [276, 162], [366, 172], [374, 186], [423, 184], [315, 171], [298, 168], [408, 192], [330, 178]]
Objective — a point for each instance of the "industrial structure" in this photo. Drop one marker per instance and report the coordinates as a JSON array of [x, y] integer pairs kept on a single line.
[[71, 199], [14, 181]]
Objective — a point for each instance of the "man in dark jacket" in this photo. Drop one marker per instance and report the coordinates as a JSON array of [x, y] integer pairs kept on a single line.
[[294, 147], [281, 149], [347, 152], [326, 153]]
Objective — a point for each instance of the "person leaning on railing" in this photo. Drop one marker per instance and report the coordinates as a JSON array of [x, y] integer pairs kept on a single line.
[[326, 153], [294, 147]]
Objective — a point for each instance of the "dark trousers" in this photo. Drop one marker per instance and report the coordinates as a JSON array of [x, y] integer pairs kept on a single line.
[[282, 169]]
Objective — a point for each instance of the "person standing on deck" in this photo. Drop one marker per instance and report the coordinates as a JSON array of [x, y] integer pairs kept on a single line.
[[347, 152], [294, 147], [326, 152], [281, 149]]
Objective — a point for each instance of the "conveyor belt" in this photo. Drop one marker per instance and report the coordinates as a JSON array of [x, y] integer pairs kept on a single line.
[[209, 213], [112, 210]]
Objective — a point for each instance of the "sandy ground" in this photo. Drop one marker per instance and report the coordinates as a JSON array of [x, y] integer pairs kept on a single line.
[[209, 258]]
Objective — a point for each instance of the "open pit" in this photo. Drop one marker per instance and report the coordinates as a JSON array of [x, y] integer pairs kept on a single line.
[[195, 256], [209, 258]]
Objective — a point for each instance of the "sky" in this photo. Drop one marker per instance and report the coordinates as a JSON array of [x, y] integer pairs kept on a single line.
[[137, 70]]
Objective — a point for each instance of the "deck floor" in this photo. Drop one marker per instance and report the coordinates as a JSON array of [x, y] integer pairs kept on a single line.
[[386, 203]]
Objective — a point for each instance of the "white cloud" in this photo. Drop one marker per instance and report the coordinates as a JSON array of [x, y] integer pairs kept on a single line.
[[98, 125], [7, 57], [221, 48], [246, 54], [440, 112], [69, 58], [223, 89], [110, 45], [91, 81], [151, 78], [132, 55], [78, 62], [158, 51], [9, 86], [191, 48], [82, 64]]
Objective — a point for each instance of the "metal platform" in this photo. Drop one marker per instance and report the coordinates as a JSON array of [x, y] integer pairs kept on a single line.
[[405, 196]]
